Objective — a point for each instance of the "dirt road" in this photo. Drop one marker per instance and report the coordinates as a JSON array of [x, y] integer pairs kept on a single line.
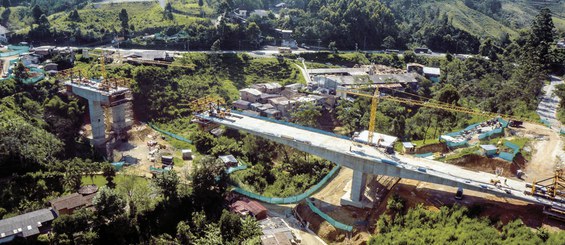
[[548, 151]]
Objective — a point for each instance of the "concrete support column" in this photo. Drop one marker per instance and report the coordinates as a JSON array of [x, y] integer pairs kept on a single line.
[[358, 185], [97, 122], [119, 117]]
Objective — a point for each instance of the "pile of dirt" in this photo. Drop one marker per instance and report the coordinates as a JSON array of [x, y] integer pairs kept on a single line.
[[321, 227], [496, 209], [485, 164], [437, 147]]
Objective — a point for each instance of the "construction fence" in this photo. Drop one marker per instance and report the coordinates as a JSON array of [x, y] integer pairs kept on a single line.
[[178, 137], [118, 165], [329, 219], [494, 132], [546, 122], [291, 199], [424, 155], [509, 156], [315, 130], [17, 50], [234, 169]]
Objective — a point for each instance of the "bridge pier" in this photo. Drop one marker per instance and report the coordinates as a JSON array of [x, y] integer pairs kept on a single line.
[[355, 196]]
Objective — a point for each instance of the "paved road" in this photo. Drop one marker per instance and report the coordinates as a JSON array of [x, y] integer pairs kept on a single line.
[[547, 109], [345, 146]]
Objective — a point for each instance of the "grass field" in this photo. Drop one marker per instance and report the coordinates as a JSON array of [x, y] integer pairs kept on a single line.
[[103, 18], [515, 15], [99, 180]]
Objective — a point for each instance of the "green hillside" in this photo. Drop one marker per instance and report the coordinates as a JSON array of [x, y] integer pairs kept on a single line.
[[508, 16]]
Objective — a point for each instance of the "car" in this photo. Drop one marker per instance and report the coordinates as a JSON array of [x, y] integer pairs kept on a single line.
[[459, 194]]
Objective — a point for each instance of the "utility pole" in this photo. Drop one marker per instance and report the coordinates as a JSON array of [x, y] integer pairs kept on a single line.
[[319, 43]]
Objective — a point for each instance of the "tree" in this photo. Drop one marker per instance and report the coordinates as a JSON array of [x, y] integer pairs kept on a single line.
[[6, 3], [108, 204], [216, 46], [74, 16], [184, 235], [203, 142], [389, 42], [43, 22], [307, 114], [124, 18], [332, 46], [36, 12], [20, 72], [209, 184], [109, 173], [200, 3], [71, 224], [538, 43], [167, 182], [254, 34], [72, 179], [230, 226], [489, 49], [168, 11]]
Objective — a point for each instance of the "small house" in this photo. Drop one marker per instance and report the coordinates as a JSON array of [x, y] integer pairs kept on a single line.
[[44, 50], [186, 154], [26, 225], [50, 67], [167, 160], [241, 104], [250, 94], [269, 88], [228, 160], [252, 208], [432, 73], [489, 150], [272, 113], [264, 98], [69, 203], [408, 147]]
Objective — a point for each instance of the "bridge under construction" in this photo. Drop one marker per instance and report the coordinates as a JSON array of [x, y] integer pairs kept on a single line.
[[369, 160]]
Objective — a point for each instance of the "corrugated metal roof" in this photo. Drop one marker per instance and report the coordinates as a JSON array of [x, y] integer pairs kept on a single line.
[[432, 70], [489, 147], [228, 158], [26, 224]]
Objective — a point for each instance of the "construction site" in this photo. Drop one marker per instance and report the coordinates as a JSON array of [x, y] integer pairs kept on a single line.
[[510, 167]]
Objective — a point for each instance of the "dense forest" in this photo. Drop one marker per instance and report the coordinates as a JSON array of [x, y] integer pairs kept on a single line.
[[347, 25], [451, 225]]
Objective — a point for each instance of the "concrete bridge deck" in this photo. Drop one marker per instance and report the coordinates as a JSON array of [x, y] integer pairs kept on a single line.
[[365, 159]]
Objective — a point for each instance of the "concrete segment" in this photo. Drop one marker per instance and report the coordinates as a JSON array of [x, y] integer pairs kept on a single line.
[[97, 122], [370, 160]]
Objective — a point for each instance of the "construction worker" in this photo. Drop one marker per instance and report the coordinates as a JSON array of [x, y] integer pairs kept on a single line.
[[505, 182]]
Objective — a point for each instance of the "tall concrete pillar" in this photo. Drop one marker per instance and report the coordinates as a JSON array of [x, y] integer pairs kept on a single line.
[[119, 117], [358, 185], [97, 122]]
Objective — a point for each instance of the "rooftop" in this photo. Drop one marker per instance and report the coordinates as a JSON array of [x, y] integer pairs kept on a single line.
[[489, 147], [252, 91], [279, 101], [26, 224], [71, 201], [228, 159], [390, 78], [241, 102], [246, 206], [322, 71], [432, 71], [408, 145]]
